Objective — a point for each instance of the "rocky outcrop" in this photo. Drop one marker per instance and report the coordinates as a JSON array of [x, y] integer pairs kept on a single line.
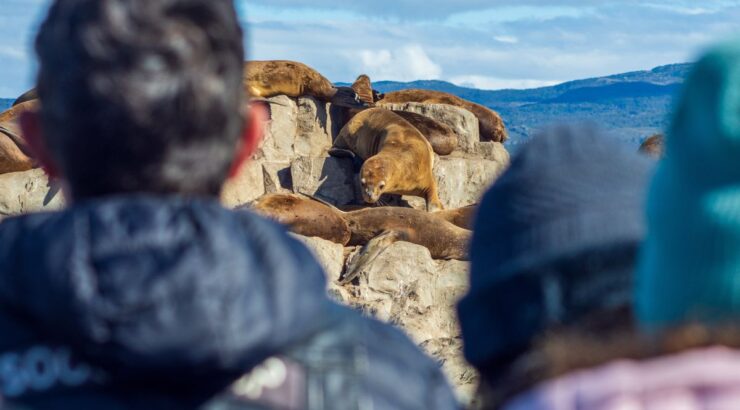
[[406, 287], [461, 181], [331, 179], [246, 186], [28, 191], [297, 139]]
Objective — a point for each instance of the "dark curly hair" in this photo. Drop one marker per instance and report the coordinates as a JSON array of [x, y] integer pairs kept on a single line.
[[141, 95]]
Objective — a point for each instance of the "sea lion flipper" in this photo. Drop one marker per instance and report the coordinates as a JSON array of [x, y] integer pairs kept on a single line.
[[342, 153], [369, 253]]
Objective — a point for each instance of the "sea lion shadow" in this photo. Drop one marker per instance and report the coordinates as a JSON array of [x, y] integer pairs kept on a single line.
[[322, 116], [336, 183], [54, 188], [339, 117]]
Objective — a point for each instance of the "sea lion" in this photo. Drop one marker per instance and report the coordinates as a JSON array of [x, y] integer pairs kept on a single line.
[[265, 79], [304, 216], [398, 159], [444, 140], [653, 146], [27, 96], [490, 124], [461, 217], [364, 89], [15, 155], [443, 239], [310, 217]]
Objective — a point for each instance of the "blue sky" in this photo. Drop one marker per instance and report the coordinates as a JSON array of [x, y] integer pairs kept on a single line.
[[482, 43]]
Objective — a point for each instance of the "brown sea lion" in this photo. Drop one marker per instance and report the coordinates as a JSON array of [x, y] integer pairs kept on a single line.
[[265, 79], [364, 89], [462, 217], [15, 155], [304, 216], [444, 140], [398, 159], [443, 239], [27, 96], [653, 146], [489, 122], [310, 217]]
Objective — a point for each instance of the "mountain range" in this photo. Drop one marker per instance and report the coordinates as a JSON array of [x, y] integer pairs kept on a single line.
[[632, 106]]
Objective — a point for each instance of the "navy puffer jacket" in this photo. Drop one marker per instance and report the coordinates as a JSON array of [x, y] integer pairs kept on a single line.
[[144, 302]]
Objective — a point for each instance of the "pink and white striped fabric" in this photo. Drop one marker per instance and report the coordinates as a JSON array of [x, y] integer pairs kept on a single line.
[[701, 379]]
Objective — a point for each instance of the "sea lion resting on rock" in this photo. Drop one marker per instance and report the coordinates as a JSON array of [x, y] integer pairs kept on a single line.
[[15, 155], [490, 124], [305, 216], [461, 217], [310, 217], [443, 139], [373, 228], [398, 159], [265, 79]]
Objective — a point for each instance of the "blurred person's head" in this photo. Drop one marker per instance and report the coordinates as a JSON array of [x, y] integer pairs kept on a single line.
[[689, 269], [554, 244], [141, 96]]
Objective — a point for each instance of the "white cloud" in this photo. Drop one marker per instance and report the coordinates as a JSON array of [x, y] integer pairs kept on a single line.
[[506, 39], [404, 64], [494, 83], [13, 53]]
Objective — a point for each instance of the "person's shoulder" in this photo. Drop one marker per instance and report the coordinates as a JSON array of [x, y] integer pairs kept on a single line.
[[392, 370], [353, 362], [272, 237]]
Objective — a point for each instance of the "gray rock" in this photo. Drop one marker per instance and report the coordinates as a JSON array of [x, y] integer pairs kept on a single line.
[[314, 128], [494, 151], [462, 181], [328, 178], [277, 177], [329, 254], [245, 187], [280, 131], [406, 287], [298, 127], [28, 191]]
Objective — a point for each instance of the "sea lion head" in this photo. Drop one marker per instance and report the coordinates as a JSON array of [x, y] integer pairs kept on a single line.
[[373, 180], [364, 89]]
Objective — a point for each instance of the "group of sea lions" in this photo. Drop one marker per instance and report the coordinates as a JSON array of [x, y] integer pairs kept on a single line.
[[397, 150], [444, 233]]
